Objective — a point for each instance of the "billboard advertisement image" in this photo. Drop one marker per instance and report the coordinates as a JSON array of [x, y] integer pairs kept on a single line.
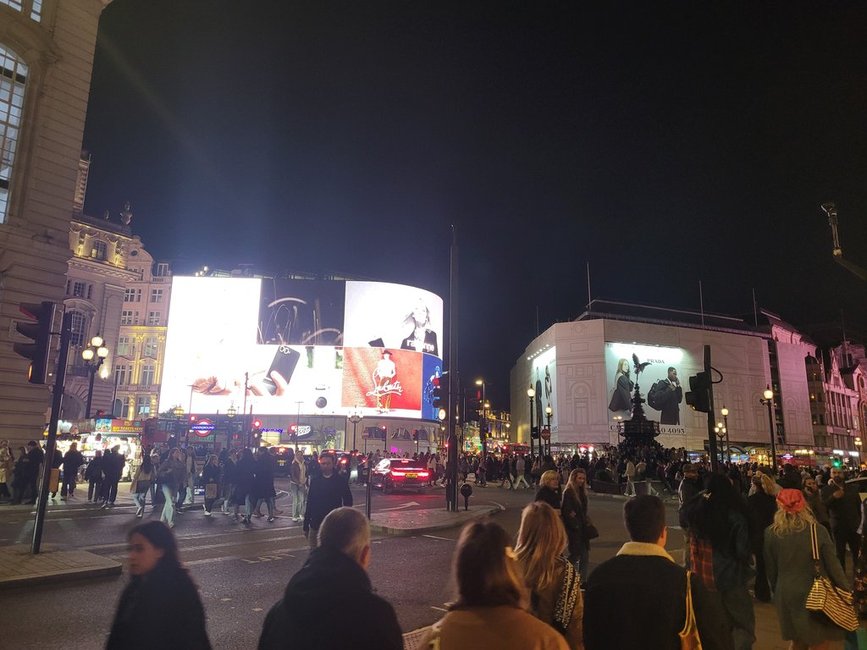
[[281, 346], [661, 371], [543, 380]]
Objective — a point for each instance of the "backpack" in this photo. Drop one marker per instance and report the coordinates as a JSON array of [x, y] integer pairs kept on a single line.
[[654, 396]]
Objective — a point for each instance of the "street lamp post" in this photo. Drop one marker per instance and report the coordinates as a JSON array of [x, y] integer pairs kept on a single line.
[[231, 412], [484, 423], [725, 413], [531, 393], [858, 448], [721, 434], [355, 418], [768, 400], [548, 413], [94, 355]]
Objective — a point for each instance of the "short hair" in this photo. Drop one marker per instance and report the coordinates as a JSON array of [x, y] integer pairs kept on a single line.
[[670, 368], [345, 530], [486, 569], [644, 517]]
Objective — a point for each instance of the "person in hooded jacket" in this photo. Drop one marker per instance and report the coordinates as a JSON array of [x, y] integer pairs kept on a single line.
[[334, 579]]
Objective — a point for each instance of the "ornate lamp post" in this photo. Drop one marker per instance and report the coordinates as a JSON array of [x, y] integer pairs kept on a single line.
[[725, 413], [548, 413], [94, 355], [531, 393], [858, 447], [768, 401], [355, 418], [722, 434]]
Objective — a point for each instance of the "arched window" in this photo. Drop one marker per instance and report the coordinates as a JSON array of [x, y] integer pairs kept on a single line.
[[13, 78], [79, 329]]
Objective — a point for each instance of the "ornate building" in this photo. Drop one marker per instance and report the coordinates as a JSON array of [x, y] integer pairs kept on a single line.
[[141, 343], [115, 290], [46, 58]]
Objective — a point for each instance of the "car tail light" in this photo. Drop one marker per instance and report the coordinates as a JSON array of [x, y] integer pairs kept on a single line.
[[395, 472], [424, 474]]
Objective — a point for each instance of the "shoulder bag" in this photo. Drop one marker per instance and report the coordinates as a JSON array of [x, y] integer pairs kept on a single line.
[[826, 598], [689, 638]]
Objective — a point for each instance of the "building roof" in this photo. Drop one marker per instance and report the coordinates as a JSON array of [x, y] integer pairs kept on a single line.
[[624, 311]]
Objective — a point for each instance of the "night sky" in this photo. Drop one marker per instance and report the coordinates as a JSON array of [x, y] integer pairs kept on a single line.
[[663, 143]]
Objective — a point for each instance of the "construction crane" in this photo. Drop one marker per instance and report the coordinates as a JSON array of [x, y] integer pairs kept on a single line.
[[831, 210]]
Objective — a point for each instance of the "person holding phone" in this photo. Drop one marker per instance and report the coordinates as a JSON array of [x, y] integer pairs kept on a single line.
[[844, 507]]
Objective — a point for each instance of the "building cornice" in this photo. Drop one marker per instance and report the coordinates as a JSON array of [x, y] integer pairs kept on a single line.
[[101, 268]]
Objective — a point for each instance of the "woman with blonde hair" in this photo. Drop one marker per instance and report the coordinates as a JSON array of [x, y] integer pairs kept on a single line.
[[549, 488], [553, 582], [789, 563], [490, 610], [573, 510]]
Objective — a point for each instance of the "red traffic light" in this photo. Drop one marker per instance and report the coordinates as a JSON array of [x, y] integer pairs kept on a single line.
[[257, 424]]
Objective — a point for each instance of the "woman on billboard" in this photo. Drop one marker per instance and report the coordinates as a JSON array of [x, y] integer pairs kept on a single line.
[[421, 338], [623, 386]]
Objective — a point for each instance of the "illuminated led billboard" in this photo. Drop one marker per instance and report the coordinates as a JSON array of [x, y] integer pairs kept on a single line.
[[543, 379], [663, 382], [326, 347]]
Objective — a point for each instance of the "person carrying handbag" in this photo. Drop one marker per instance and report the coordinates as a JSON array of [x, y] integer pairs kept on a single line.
[[573, 510], [791, 571]]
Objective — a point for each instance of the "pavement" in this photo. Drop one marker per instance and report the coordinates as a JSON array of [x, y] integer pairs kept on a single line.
[[19, 567]]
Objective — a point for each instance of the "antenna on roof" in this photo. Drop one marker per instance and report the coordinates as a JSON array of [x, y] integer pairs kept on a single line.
[[589, 296], [701, 302]]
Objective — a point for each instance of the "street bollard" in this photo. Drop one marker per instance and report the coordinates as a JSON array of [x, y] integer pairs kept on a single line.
[[466, 493]]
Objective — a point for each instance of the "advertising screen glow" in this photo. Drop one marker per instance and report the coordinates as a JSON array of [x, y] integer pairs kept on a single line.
[[325, 347]]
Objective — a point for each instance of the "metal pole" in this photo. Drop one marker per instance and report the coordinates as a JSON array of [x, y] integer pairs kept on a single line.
[[770, 405], [728, 440], [92, 370], [452, 364], [531, 430], [711, 417], [56, 402], [369, 481]]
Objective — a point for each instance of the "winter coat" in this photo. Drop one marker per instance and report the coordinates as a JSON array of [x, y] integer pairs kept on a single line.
[[501, 627], [263, 482], [789, 562], [210, 474], [574, 515], [620, 589], [549, 496], [846, 511], [330, 582], [93, 471], [161, 609], [544, 602], [325, 495], [172, 473], [72, 460], [245, 475]]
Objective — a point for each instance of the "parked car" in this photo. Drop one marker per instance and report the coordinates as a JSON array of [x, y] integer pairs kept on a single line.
[[399, 473]]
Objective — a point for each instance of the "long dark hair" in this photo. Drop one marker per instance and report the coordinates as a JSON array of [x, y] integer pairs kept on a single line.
[[160, 535], [710, 518]]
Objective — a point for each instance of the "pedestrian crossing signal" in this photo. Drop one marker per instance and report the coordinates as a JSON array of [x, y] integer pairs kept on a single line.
[[437, 393]]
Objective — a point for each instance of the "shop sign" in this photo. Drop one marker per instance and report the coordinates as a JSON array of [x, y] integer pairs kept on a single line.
[[107, 425], [202, 428]]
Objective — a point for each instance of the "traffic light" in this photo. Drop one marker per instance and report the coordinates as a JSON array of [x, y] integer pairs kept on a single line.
[[40, 332], [257, 424], [415, 435], [698, 396], [436, 397]]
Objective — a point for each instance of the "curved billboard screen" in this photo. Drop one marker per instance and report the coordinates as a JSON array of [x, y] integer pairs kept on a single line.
[[326, 347]]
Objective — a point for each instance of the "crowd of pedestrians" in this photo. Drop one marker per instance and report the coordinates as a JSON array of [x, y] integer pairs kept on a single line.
[[747, 532]]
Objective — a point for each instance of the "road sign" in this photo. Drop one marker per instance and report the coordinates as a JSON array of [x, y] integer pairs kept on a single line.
[[546, 433]]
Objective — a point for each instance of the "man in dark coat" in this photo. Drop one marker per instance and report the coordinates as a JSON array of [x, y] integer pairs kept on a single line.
[[844, 507], [112, 468], [665, 396], [642, 572], [35, 458], [72, 461], [334, 579], [328, 492]]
